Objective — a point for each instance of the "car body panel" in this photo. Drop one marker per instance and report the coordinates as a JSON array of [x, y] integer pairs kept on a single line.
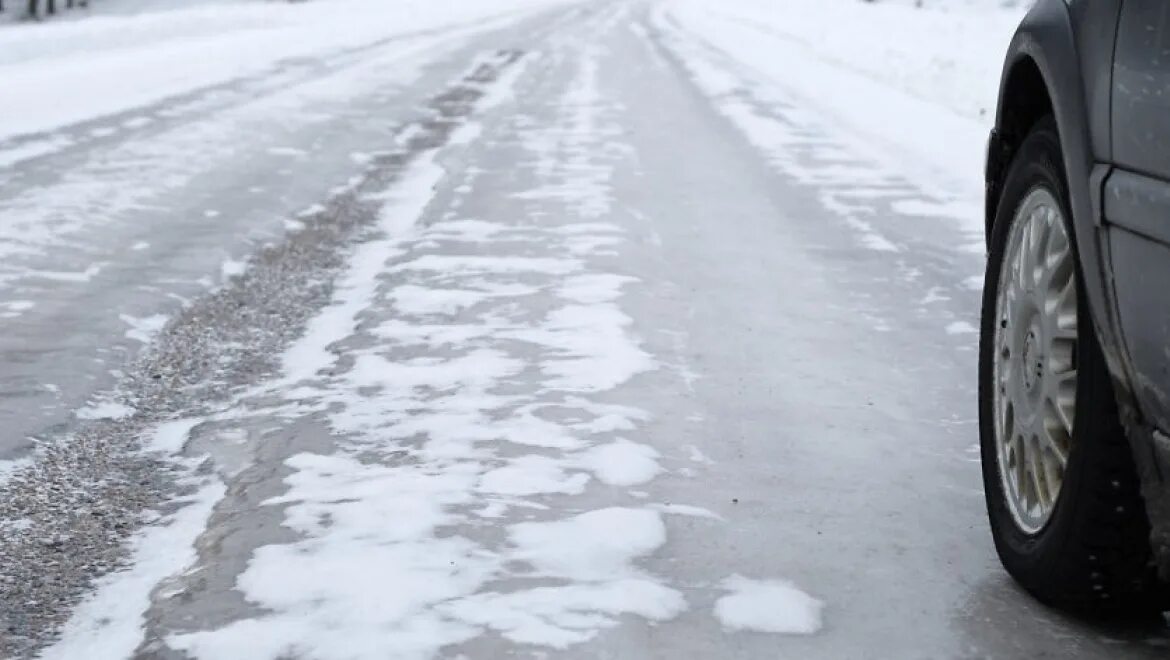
[[1141, 89], [1137, 199]]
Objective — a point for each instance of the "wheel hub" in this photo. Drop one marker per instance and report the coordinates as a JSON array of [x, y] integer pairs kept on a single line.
[[1036, 335], [1032, 363]]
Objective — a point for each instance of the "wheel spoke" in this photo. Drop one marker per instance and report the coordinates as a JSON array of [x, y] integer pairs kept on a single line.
[[1026, 257], [1063, 316], [1062, 413], [1006, 419], [1053, 449], [1042, 229], [1036, 474]]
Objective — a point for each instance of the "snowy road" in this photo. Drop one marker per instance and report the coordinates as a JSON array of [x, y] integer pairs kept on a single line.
[[567, 332]]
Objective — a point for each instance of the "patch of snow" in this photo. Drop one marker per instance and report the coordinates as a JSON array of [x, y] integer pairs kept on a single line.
[[75, 276], [685, 510], [771, 606], [935, 294], [471, 264], [232, 268], [15, 308], [32, 149], [105, 410], [532, 474], [870, 238], [170, 437], [560, 616], [421, 301], [696, 455], [961, 328], [291, 152], [593, 288], [144, 329], [621, 462], [8, 468], [597, 545], [312, 209]]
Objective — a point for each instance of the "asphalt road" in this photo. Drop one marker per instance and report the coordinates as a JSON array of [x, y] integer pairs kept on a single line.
[[505, 340]]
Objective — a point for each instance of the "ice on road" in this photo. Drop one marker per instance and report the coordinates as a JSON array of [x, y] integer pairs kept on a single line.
[[565, 330]]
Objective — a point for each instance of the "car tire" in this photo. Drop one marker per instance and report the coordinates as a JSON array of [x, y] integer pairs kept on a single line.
[[1092, 554]]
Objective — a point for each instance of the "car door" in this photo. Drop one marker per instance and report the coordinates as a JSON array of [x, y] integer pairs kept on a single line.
[[1137, 198]]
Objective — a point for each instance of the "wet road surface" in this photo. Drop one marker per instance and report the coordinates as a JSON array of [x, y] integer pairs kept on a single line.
[[562, 337]]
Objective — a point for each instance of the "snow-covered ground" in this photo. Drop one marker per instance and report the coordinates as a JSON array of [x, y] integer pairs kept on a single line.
[[56, 74], [914, 87], [481, 329]]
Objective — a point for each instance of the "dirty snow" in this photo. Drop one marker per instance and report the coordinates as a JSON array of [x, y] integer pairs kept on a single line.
[[108, 625]]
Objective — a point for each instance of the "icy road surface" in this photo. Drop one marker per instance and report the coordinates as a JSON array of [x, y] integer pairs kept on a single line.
[[577, 331]]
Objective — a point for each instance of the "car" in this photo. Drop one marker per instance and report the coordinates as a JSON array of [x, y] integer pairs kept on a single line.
[[1074, 356]]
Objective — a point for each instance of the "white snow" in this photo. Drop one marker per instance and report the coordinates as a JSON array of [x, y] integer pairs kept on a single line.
[[15, 308], [61, 73], [102, 189], [622, 463], [559, 617], [685, 510], [901, 95], [961, 328], [170, 437], [144, 329], [359, 283], [771, 606], [532, 474], [597, 545], [928, 76], [105, 410], [66, 276], [232, 268], [11, 467]]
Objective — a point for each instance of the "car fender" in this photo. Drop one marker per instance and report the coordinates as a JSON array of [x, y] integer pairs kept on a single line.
[[1047, 38]]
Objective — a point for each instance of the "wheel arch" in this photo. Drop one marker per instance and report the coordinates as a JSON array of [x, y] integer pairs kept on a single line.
[[1024, 101], [1043, 74]]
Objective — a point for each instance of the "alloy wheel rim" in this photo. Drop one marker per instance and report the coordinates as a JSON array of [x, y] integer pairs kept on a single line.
[[1035, 360]]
